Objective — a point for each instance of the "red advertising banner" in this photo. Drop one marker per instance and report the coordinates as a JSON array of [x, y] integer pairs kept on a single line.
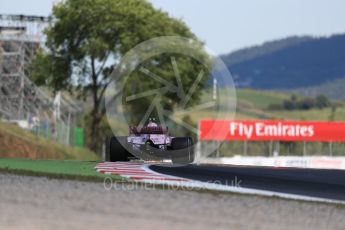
[[271, 130]]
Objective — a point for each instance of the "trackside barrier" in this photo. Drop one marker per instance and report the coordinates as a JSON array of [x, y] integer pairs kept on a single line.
[[271, 130], [318, 162]]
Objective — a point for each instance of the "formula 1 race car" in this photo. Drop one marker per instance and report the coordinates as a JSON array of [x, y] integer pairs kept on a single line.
[[151, 142]]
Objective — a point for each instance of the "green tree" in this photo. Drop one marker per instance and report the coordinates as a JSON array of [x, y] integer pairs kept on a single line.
[[321, 101], [306, 103], [87, 39]]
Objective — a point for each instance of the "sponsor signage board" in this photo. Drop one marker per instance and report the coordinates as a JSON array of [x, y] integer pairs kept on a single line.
[[271, 130]]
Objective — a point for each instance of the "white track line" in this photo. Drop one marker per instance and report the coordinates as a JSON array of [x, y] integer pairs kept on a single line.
[[141, 172], [134, 171]]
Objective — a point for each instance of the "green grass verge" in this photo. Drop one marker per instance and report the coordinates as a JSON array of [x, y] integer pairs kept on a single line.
[[74, 170], [18, 143]]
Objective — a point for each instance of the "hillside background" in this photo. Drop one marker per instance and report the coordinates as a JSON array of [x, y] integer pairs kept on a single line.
[[306, 65]]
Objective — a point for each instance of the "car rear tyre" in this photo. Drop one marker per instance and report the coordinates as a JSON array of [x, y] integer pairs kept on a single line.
[[116, 149], [183, 151]]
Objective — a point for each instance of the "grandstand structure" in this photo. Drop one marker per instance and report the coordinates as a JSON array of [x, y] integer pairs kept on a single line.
[[20, 38], [20, 99]]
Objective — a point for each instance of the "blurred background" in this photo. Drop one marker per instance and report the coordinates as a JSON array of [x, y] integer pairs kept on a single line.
[[59, 58], [286, 59]]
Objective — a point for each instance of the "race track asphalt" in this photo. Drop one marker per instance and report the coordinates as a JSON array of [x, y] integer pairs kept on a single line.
[[319, 183]]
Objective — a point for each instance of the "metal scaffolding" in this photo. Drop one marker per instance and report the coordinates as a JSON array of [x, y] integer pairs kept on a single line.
[[21, 101], [20, 38]]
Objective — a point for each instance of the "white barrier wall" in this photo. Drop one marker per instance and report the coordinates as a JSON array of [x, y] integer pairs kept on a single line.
[[320, 162]]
